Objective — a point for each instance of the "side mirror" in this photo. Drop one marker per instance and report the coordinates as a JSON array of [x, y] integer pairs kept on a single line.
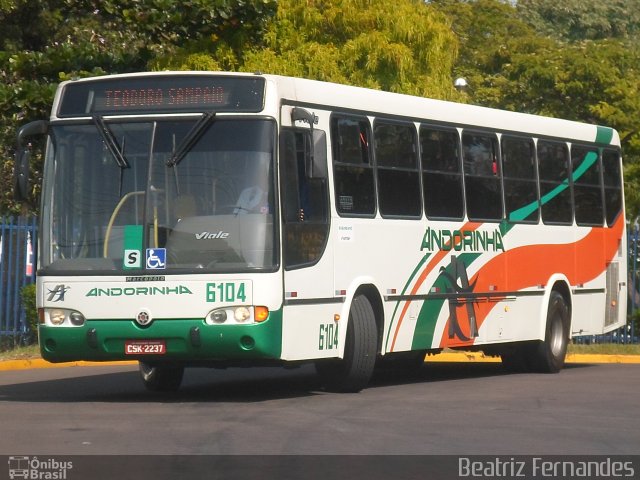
[[316, 166], [316, 153], [21, 174], [23, 157], [303, 115]]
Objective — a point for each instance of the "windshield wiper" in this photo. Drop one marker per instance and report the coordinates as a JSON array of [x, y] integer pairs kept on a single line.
[[110, 142], [191, 138]]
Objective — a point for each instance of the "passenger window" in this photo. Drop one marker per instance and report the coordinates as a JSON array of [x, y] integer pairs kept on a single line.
[[483, 186], [397, 168], [612, 185], [352, 167], [555, 192], [519, 177], [587, 190], [441, 173]]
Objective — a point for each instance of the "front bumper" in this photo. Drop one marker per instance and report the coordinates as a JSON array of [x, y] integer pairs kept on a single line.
[[188, 341]]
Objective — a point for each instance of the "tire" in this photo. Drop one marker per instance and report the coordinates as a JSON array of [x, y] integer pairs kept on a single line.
[[548, 356], [161, 378], [353, 372]]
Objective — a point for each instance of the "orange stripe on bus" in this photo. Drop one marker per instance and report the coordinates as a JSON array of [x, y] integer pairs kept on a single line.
[[533, 265]]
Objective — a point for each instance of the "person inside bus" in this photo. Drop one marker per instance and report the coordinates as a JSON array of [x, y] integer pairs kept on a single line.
[[254, 197]]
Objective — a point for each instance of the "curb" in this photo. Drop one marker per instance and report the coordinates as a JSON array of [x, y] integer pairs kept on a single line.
[[479, 357], [469, 357], [31, 363]]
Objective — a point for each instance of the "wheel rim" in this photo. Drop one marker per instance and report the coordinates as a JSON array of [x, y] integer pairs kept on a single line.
[[557, 336], [145, 370]]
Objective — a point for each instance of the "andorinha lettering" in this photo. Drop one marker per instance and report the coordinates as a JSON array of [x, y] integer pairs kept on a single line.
[[462, 240], [138, 291]]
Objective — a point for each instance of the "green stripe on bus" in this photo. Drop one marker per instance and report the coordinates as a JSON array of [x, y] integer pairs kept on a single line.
[[428, 316], [604, 135], [404, 290], [589, 160]]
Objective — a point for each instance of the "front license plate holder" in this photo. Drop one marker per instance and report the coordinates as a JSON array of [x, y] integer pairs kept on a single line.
[[145, 347]]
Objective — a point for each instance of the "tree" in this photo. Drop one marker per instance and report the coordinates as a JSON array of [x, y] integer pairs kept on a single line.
[[509, 64], [404, 46], [44, 42], [582, 19], [596, 69]]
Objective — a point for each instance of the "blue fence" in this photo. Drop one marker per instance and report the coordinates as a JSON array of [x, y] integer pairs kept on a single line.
[[18, 246]]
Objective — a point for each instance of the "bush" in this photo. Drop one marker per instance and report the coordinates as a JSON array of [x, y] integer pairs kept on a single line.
[[28, 294]]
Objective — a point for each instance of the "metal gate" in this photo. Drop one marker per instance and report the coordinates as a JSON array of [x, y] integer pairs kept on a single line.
[[18, 246]]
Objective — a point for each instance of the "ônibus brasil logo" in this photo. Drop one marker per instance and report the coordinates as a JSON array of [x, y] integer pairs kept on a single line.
[[35, 468]]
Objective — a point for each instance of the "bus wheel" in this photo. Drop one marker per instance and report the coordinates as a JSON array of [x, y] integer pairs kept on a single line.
[[161, 378], [353, 372], [548, 356]]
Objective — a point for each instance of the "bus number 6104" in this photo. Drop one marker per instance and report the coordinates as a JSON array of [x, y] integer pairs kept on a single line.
[[328, 339]]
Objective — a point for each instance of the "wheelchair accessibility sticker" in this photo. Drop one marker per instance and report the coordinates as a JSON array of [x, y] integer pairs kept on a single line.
[[156, 258]]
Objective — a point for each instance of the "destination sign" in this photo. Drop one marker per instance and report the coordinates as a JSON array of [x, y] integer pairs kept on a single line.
[[162, 94]]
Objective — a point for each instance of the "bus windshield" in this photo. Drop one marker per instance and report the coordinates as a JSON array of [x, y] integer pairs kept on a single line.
[[119, 200]]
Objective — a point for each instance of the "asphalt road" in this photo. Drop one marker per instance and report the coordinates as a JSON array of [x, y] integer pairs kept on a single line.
[[455, 409]]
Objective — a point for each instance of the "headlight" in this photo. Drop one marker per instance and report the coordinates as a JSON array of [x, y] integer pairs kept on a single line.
[[57, 316], [235, 315], [64, 317], [77, 319], [242, 314], [218, 316]]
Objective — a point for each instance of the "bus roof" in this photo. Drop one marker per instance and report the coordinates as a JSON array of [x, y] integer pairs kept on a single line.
[[332, 96]]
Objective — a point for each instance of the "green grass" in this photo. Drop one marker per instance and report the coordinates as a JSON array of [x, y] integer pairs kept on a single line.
[[20, 353], [606, 349]]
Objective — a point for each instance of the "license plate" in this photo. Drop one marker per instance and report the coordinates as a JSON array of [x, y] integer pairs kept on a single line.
[[145, 347]]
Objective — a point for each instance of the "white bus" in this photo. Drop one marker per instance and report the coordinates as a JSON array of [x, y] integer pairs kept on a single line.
[[215, 219]]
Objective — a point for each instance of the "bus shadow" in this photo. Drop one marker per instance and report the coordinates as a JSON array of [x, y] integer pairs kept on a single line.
[[232, 385]]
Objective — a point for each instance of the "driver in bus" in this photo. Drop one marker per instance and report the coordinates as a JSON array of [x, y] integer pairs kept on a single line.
[[254, 198]]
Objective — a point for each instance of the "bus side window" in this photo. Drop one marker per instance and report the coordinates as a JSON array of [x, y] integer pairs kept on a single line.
[[305, 200], [612, 176], [520, 189], [441, 173], [352, 166], [555, 194], [587, 191], [483, 186], [397, 168]]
